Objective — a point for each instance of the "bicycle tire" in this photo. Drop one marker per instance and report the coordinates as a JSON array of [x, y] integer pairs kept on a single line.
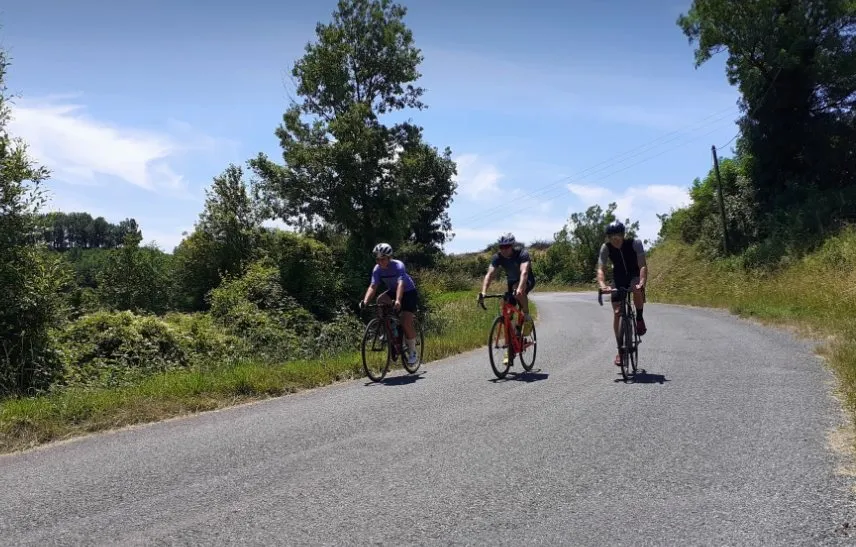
[[624, 350], [370, 335], [420, 343], [500, 370], [533, 347], [634, 354]]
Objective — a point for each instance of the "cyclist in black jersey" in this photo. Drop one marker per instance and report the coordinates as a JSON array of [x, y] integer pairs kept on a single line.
[[518, 270], [630, 269]]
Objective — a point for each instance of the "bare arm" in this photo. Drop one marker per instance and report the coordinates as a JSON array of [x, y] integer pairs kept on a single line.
[[601, 277], [524, 275], [369, 293], [399, 291], [643, 271], [486, 282]]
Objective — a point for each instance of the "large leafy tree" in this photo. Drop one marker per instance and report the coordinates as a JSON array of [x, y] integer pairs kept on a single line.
[[794, 62], [224, 241], [30, 279], [344, 171]]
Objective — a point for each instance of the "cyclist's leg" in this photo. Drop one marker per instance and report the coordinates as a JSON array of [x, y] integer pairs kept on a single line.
[[409, 301], [639, 304]]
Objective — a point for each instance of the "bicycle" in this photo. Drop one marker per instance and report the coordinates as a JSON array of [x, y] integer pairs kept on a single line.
[[511, 340], [379, 331], [628, 339]]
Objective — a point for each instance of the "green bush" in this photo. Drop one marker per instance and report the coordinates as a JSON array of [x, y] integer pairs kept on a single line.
[[106, 349]]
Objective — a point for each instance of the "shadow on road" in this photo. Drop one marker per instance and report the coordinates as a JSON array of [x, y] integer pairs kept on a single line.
[[643, 377], [528, 377], [403, 380]]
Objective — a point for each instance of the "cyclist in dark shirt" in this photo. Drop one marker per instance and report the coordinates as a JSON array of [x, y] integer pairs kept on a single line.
[[518, 269], [629, 268]]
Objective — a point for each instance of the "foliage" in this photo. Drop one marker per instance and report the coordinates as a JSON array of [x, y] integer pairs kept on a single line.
[[345, 171], [224, 240], [136, 279], [117, 348], [572, 258], [63, 231], [30, 279], [795, 66]]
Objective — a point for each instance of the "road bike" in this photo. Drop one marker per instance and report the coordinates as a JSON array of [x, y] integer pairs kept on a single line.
[[378, 353], [507, 336], [628, 339]]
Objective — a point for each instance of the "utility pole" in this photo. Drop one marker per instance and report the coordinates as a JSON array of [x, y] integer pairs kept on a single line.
[[721, 201]]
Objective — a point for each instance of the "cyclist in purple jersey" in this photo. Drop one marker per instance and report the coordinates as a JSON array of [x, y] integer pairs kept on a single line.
[[395, 278]]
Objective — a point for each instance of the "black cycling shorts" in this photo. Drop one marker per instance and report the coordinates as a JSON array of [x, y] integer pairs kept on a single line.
[[409, 300]]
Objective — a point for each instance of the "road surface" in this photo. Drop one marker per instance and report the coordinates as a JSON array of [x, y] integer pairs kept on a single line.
[[722, 442]]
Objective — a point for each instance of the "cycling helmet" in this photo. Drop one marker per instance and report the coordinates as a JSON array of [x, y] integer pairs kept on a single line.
[[507, 239], [382, 249], [615, 227]]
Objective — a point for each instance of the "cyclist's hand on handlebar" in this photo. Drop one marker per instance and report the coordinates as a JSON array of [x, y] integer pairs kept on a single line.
[[362, 304]]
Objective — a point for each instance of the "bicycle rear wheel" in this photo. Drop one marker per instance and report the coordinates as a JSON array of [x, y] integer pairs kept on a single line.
[[530, 347], [420, 348], [375, 350], [499, 349]]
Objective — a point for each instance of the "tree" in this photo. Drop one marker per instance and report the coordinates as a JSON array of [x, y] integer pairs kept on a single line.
[[225, 239], [573, 256], [136, 279], [31, 280], [794, 62], [343, 169]]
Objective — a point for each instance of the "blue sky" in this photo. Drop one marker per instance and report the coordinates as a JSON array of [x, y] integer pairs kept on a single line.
[[548, 107]]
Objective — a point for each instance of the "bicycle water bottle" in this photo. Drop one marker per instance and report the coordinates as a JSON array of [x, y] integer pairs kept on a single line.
[[394, 325]]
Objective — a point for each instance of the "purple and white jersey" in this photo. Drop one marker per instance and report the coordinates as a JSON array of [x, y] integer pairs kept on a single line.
[[390, 276]]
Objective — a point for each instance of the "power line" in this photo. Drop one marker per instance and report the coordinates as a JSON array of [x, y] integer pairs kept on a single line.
[[757, 106], [608, 163], [563, 191]]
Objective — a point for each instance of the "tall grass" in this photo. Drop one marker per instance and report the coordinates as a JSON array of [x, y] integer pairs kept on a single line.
[[816, 293], [455, 324]]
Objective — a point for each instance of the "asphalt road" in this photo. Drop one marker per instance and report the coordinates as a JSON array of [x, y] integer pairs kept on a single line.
[[722, 442]]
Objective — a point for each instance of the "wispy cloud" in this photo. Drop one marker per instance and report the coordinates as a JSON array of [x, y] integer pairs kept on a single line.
[[476, 177], [80, 149]]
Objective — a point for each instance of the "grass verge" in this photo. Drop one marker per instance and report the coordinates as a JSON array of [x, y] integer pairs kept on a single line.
[[816, 294], [29, 422]]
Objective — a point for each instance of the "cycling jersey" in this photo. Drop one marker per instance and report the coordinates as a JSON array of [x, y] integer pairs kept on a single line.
[[512, 264], [625, 260], [390, 276]]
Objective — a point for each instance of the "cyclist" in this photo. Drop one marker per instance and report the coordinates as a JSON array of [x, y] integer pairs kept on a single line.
[[629, 268], [518, 270], [395, 277]]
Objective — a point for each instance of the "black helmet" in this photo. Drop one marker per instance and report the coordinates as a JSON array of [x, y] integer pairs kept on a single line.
[[615, 227]]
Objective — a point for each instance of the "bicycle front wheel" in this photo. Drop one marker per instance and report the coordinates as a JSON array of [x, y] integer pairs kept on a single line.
[[624, 348], [375, 350], [499, 349], [420, 348]]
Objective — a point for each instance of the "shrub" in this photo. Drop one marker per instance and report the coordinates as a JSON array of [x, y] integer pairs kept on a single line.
[[115, 348]]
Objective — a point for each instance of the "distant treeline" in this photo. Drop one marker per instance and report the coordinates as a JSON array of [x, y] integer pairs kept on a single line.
[[63, 231]]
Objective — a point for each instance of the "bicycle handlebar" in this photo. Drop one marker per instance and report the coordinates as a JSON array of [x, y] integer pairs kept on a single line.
[[485, 297], [601, 292]]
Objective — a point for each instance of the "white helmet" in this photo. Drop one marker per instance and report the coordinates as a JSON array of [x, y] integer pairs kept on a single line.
[[507, 239], [382, 249]]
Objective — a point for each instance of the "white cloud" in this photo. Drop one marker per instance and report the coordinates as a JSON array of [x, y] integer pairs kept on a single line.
[[591, 193], [641, 203], [476, 177], [81, 150]]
